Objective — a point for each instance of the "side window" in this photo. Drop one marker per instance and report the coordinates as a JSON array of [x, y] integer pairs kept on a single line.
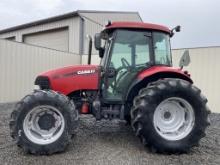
[[162, 48]]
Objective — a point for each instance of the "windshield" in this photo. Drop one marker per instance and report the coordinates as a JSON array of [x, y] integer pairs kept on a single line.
[[161, 44], [130, 49]]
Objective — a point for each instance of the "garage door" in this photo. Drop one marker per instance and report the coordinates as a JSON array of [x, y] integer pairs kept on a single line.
[[54, 39], [10, 38]]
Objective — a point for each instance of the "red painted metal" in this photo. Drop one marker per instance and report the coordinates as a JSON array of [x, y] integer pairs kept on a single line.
[[85, 108], [162, 69], [137, 25], [73, 78]]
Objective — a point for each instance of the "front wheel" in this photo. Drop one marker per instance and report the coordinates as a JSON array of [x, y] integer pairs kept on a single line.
[[43, 122], [170, 116]]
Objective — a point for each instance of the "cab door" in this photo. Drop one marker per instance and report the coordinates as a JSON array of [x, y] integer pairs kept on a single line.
[[129, 54]]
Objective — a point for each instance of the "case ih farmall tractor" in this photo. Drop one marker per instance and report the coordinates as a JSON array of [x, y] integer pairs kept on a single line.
[[135, 81]]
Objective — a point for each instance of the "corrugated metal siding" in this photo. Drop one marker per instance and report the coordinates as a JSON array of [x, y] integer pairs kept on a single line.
[[94, 60], [21, 63], [71, 23], [204, 69], [91, 27], [11, 38]]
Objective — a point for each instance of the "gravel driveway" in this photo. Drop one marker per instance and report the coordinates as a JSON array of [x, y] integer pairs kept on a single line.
[[108, 142]]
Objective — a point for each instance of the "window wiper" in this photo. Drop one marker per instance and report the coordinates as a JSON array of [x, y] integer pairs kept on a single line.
[[149, 64], [162, 65]]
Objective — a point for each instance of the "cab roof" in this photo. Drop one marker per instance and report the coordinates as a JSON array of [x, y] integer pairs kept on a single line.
[[136, 25]]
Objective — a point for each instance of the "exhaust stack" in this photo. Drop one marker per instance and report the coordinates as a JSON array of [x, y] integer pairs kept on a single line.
[[90, 49]]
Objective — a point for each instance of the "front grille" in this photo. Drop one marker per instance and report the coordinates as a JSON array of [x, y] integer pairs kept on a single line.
[[43, 82]]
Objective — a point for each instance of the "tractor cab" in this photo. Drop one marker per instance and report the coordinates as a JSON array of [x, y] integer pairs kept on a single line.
[[128, 50]]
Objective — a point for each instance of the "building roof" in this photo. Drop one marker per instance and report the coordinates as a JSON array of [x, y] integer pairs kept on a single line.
[[59, 17], [137, 25]]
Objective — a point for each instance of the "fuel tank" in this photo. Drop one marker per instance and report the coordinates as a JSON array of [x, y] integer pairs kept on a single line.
[[71, 78]]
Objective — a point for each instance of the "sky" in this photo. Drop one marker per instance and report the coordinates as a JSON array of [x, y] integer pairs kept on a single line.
[[199, 19]]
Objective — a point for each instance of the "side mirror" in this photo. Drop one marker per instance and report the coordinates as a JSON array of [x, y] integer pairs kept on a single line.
[[177, 29], [101, 52], [98, 44], [185, 59]]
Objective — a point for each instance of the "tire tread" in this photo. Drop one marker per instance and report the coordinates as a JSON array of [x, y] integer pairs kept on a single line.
[[138, 115], [32, 98]]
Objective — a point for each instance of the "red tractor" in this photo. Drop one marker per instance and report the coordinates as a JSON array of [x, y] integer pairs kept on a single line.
[[135, 81]]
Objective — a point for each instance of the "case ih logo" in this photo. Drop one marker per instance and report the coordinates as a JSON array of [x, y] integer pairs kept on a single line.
[[80, 72], [86, 71]]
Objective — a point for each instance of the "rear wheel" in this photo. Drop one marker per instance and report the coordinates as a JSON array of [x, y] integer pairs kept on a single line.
[[174, 118], [43, 122], [170, 116]]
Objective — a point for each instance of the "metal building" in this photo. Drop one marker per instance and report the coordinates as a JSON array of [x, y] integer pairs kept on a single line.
[[66, 32], [204, 69]]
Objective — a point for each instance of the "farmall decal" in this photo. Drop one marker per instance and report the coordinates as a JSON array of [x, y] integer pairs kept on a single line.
[[86, 71]]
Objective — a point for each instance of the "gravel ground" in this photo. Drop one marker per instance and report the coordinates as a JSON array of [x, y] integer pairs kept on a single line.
[[108, 142]]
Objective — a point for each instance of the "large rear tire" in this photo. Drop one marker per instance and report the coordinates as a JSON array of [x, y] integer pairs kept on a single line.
[[170, 116], [43, 122]]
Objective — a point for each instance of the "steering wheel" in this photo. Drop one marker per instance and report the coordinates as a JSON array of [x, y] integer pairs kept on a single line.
[[125, 63], [115, 77]]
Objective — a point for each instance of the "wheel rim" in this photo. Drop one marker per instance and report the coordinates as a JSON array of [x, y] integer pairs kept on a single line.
[[43, 124], [174, 118]]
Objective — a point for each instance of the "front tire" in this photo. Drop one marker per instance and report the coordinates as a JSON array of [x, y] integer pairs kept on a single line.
[[170, 116], [43, 122]]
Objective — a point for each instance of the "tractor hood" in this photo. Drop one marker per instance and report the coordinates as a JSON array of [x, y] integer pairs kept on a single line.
[[70, 79]]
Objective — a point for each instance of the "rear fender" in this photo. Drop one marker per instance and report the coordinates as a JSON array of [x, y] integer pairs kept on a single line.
[[141, 81]]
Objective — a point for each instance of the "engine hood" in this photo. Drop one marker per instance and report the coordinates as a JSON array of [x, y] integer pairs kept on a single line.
[[77, 69], [72, 78]]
